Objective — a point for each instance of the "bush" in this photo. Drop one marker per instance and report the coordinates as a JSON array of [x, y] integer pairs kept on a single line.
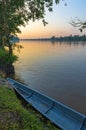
[[5, 58]]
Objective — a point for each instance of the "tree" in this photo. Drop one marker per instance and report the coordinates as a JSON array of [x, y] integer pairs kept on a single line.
[[78, 23], [16, 13]]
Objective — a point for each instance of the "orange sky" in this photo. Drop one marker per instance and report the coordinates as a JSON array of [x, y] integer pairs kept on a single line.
[[58, 21]]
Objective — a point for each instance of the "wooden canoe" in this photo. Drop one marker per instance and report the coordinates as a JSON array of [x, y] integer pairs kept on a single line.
[[64, 117]]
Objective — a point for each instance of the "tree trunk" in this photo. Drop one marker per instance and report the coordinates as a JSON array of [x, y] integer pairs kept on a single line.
[[8, 69]]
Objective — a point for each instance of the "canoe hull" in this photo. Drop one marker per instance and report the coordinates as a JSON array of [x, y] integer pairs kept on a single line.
[[61, 115]]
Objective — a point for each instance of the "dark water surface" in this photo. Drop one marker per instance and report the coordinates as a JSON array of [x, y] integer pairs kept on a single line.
[[55, 69]]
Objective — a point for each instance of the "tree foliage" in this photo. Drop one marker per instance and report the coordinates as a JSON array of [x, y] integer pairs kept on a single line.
[[79, 24], [16, 13], [4, 57]]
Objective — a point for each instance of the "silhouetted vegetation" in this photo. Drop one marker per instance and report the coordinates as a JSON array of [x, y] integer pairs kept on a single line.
[[64, 38], [79, 24], [71, 38]]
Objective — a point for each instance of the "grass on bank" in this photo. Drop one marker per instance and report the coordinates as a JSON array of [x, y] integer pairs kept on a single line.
[[13, 116]]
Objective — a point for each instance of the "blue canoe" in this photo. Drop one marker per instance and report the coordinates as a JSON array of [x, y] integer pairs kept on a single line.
[[61, 115]]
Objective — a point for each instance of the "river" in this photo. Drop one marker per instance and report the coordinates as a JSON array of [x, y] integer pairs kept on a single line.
[[55, 69]]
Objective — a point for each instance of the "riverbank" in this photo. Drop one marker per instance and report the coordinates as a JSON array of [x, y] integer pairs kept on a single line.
[[15, 116], [4, 82]]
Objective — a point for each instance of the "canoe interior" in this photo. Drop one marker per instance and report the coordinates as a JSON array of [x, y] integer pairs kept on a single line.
[[61, 115]]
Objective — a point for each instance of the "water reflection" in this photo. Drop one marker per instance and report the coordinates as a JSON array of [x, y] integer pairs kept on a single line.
[[55, 69]]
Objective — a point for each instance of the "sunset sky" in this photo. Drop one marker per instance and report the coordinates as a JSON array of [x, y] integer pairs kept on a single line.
[[58, 21]]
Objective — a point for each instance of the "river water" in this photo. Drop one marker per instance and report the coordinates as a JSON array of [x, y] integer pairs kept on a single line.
[[55, 69]]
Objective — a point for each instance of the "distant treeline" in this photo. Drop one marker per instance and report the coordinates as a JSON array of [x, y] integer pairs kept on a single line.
[[64, 38], [69, 38]]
